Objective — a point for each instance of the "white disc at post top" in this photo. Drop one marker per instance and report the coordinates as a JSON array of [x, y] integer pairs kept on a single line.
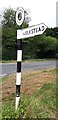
[[20, 13]]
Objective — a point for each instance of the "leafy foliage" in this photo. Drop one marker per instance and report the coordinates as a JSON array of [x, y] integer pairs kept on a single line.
[[8, 18], [9, 33], [53, 32], [43, 46]]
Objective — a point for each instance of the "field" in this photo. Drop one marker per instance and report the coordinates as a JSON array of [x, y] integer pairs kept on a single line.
[[38, 95]]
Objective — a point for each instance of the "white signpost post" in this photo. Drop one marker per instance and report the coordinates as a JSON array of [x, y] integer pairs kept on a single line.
[[24, 33]]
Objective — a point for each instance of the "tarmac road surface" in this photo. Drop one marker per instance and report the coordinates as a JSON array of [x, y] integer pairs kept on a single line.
[[10, 68]]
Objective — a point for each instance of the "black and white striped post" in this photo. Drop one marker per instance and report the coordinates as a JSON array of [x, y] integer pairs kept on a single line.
[[18, 75], [25, 33], [19, 21]]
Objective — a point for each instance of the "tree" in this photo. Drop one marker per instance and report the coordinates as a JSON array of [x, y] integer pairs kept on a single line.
[[9, 33], [41, 46], [53, 32], [9, 17]]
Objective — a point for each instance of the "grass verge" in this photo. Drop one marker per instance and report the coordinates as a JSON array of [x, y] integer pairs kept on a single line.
[[28, 60], [38, 95]]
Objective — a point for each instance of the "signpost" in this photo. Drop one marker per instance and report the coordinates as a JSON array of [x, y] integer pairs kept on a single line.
[[31, 31], [24, 33], [19, 21]]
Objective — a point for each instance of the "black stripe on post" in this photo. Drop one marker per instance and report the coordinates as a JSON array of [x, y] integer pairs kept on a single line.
[[17, 90], [18, 66], [19, 44]]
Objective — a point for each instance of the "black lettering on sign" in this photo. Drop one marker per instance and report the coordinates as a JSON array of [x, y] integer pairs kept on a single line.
[[32, 31], [29, 31], [39, 29], [25, 33], [43, 28], [36, 30]]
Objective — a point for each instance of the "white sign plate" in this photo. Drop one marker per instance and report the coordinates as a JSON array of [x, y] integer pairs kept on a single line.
[[19, 12], [31, 31]]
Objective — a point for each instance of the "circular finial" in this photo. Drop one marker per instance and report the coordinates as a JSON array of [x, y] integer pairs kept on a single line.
[[20, 16]]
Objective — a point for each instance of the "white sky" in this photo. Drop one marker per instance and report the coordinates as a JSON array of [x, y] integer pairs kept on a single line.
[[42, 11]]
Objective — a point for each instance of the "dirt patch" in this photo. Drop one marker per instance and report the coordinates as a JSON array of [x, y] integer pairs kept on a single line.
[[34, 80], [31, 82], [8, 86]]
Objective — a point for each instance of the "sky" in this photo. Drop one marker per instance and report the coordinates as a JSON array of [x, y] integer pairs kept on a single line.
[[57, 14], [41, 11]]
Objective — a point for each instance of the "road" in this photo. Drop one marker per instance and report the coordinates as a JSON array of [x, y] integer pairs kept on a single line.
[[10, 68]]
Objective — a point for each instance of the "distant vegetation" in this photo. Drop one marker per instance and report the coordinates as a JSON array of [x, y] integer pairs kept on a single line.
[[0, 43], [43, 46]]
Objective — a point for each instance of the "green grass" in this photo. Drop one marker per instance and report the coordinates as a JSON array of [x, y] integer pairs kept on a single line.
[[28, 60], [7, 77], [8, 61], [41, 104], [35, 60]]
